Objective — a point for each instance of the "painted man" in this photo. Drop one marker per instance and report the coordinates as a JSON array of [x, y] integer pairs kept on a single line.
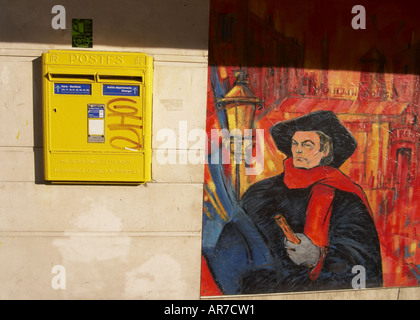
[[325, 210]]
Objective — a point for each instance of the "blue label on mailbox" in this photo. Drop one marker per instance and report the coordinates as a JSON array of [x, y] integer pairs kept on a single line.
[[96, 112], [117, 90], [72, 88]]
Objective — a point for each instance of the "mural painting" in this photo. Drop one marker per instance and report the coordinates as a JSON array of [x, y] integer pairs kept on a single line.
[[312, 175]]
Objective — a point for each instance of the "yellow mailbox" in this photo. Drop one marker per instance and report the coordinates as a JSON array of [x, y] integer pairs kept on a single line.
[[97, 117]]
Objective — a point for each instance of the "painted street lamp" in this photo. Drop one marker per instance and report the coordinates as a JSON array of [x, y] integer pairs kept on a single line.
[[238, 111]]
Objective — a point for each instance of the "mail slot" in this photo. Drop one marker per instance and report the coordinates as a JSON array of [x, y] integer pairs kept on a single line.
[[97, 111]]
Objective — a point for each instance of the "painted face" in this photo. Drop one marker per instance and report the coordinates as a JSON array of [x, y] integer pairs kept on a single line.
[[306, 149]]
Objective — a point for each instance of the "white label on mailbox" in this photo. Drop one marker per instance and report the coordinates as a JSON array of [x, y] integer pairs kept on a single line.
[[96, 127], [96, 123]]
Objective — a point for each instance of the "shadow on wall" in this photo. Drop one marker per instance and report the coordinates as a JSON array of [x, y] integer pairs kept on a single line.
[[124, 23], [37, 120]]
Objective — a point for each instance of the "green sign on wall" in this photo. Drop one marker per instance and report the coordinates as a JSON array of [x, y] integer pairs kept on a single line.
[[82, 33]]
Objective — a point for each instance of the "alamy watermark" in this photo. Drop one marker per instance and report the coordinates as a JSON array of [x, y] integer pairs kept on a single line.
[[222, 147], [59, 280], [59, 20], [359, 280]]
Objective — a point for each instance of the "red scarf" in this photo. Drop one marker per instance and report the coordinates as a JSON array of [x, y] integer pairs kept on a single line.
[[323, 181]]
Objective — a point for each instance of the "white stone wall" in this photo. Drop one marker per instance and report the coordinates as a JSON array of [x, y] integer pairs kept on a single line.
[[115, 242]]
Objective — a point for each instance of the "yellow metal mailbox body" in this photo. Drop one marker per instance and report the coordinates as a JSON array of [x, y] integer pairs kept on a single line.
[[97, 109]]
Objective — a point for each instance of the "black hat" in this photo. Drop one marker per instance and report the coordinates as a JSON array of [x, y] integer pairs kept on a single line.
[[344, 143]]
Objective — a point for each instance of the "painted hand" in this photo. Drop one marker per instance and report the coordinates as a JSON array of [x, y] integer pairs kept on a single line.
[[305, 253]]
